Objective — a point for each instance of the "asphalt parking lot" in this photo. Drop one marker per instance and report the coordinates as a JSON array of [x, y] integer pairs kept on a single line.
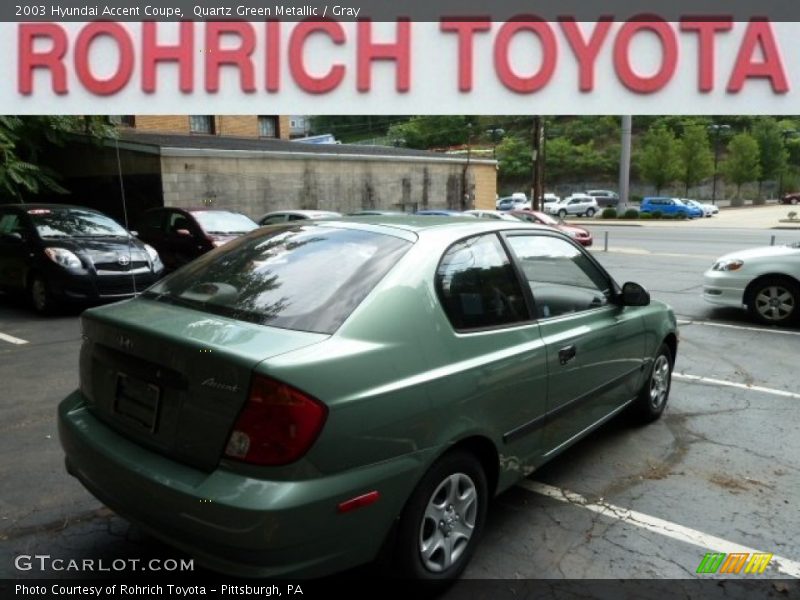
[[720, 472]]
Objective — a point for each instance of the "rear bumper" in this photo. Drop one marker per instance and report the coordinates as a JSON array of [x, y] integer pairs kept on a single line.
[[234, 523]]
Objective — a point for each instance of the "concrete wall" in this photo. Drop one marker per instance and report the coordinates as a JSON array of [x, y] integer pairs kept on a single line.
[[256, 183], [233, 125]]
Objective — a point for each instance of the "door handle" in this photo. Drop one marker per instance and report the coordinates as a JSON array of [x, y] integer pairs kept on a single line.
[[566, 354]]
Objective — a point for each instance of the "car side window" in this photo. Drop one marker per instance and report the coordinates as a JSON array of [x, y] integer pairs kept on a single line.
[[477, 285], [295, 218], [563, 280], [179, 221], [274, 219], [10, 223]]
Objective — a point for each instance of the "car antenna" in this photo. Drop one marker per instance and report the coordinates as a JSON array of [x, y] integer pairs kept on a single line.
[[125, 215]]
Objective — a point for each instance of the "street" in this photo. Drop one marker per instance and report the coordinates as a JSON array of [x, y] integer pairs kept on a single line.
[[720, 471]]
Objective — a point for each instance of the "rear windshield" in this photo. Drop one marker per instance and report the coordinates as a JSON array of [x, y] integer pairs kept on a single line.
[[301, 277], [220, 221], [70, 222]]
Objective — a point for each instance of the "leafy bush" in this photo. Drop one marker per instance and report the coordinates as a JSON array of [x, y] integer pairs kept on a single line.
[[609, 213], [635, 199], [792, 215], [657, 214], [646, 216], [682, 216], [631, 213]]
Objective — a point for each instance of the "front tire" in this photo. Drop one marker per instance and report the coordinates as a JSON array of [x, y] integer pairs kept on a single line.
[[774, 300], [562, 213], [40, 296], [443, 520], [652, 399]]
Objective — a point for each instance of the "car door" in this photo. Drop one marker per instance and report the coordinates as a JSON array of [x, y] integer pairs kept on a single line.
[[14, 249], [151, 229], [184, 239], [595, 348], [495, 353]]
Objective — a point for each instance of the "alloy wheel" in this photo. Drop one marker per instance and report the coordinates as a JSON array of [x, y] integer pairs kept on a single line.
[[775, 303], [659, 381], [448, 523]]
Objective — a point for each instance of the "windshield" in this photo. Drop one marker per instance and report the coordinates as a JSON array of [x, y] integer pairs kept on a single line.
[[221, 221], [300, 277], [546, 219], [73, 222]]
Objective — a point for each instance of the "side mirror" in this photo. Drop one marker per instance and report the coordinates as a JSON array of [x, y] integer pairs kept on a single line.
[[14, 237], [183, 232], [634, 295]]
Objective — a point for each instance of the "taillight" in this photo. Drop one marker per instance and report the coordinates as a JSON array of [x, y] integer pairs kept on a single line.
[[277, 425]]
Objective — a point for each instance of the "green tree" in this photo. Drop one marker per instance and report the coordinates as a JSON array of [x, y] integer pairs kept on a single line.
[[514, 157], [696, 158], [742, 164], [434, 131], [659, 161], [22, 141], [773, 155]]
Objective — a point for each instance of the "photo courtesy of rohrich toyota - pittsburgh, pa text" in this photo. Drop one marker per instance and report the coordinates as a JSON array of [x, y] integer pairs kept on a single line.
[[458, 299]]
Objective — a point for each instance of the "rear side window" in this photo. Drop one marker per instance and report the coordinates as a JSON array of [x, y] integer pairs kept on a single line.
[[477, 285], [304, 278]]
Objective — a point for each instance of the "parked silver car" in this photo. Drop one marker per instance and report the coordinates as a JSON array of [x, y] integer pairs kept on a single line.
[[577, 204], [764, 280]]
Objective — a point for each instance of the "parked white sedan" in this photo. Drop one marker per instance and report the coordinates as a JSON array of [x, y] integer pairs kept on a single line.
[[765, 280], [709, 210]]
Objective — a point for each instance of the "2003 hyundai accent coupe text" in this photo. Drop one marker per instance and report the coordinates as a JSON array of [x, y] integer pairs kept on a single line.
[[310, 396]]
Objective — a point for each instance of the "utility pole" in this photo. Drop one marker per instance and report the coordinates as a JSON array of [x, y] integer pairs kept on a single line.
[[536, 182], [625, 163]]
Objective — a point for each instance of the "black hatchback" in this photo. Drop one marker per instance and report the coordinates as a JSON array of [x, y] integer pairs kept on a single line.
[[56, 253]]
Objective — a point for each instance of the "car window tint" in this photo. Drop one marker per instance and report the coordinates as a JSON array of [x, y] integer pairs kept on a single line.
[[562, 278], [304, 277], [10, 223], [477, 285], [273, 219]]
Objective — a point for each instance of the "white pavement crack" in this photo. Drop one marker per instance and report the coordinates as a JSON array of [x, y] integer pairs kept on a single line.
[[656, 525], [742, 386]]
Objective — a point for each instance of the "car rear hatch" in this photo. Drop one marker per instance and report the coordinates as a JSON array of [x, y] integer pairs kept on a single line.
[[174, 379]]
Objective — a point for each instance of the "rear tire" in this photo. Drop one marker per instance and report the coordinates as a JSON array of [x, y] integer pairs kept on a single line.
[[590, 213], [443, 520], [774, 300], [652, 399]]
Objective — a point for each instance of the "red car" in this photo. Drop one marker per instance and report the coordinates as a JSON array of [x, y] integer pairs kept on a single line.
[[791, 198], [579, 234]]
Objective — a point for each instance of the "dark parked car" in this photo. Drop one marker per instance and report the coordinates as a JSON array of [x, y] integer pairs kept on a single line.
[[181, 235], [793, 198], [55, 253], [258, 409]]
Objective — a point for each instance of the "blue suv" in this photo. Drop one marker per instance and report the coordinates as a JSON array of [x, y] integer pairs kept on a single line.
[[669, 206]]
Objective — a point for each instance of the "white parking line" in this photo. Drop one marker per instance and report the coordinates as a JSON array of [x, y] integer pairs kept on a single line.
[[12, 340], [741, 386], [656, 525], [743, 327]]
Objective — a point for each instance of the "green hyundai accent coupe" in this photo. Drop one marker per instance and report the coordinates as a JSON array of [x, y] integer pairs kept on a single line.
[[309, 397]]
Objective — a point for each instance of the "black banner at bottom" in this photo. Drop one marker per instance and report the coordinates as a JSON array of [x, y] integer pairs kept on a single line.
[[471, 589]]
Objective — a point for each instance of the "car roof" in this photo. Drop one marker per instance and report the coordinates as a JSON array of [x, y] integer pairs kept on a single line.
[[432, 223], [42, 206], [292, 211]]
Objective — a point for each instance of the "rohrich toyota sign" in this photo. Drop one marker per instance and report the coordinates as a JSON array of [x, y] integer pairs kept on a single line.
[[465, 65]]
